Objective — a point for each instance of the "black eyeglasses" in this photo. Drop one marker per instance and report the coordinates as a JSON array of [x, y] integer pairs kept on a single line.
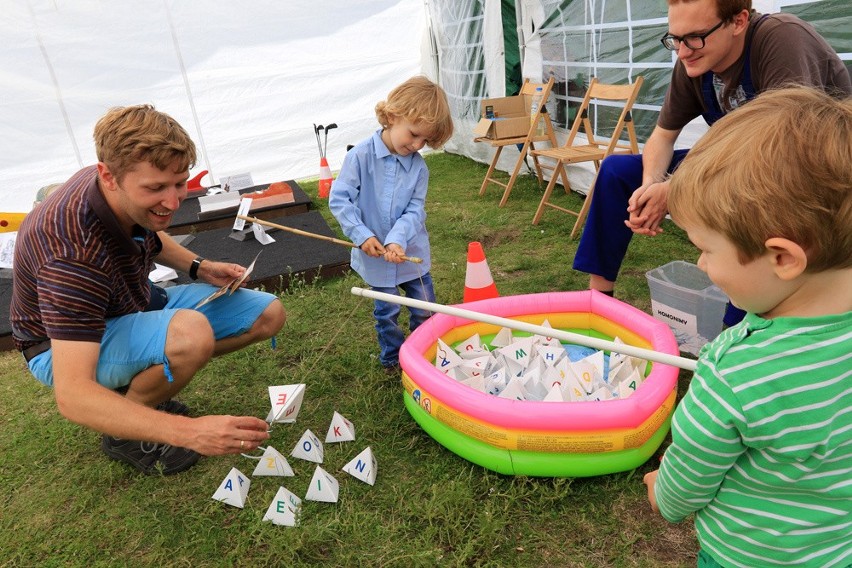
[[692, 41]]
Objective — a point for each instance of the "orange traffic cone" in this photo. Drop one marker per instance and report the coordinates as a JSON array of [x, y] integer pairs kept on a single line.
[[478, 284], [325, 178]]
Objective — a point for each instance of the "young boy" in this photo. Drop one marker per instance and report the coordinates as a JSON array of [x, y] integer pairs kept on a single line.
[[762, 442], [379, 199]]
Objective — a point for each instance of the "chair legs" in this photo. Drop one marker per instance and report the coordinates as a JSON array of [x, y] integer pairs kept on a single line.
[[513, 177], [584, 211], [490, 171], [557, 171]]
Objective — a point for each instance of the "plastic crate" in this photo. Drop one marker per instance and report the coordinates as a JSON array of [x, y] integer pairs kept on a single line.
[[685, 298]]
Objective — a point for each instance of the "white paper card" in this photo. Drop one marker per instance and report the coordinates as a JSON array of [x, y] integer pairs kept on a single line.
[[323, 487], [363, 467], [284, 509], [218, 201], [340, 429], [234, 489], [308, 448], [7, 249], [245, 207], [273, 464], [286, 401], [260, 234], [237, 182], [162, 273]]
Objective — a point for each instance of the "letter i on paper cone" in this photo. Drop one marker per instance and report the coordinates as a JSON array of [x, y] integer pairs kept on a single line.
[[234, 489], [323, 487], [284, 509], [340, 429]]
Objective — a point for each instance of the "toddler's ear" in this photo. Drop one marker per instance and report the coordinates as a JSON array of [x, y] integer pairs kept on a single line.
[[788, 258]]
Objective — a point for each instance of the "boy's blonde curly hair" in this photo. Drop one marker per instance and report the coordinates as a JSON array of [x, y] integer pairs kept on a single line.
[[422, 102]]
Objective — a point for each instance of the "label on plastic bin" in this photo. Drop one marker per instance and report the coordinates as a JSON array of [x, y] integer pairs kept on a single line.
[[677, 319]]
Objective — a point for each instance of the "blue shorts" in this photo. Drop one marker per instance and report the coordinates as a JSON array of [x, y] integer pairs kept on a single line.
[[135, 342]]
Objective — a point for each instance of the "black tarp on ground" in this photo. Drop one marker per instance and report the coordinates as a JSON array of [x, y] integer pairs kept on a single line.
[[289, 256], [187, 219]]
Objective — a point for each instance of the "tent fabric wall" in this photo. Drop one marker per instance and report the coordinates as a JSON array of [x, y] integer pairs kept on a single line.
[[247, 80], [616, 40]]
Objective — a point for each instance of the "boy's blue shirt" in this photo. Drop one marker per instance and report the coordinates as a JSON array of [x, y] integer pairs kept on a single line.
[[381, 194]]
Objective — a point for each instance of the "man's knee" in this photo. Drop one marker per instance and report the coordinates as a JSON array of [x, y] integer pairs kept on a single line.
[[271, 320], [190, 338]]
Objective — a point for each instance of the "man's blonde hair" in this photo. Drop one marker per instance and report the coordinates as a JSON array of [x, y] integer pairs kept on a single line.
[[419, 101], [126, 136], [779, 166]]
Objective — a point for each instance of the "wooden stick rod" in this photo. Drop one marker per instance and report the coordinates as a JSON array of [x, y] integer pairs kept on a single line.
[[593, 342], [413, 259]]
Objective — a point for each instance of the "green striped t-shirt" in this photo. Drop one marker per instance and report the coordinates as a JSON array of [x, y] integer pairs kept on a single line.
[[762, 445]]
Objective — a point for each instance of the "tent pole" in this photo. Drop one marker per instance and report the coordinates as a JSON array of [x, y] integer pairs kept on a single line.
[[188, 90]]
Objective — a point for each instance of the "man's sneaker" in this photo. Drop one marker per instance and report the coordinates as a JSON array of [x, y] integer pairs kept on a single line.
[[149, 457], [174, 407]]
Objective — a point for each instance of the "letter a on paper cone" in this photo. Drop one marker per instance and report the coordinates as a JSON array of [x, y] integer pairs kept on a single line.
[[273, 463], [308, 448], [363, 467], [284, 509], [340, 429], [323, 487], [234, 489], [286, 401]]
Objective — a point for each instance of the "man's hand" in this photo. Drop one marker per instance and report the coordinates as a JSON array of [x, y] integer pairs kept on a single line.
[[219, 273], [648, 207], [650, 480], [372, 247], [219, 435], [394, 253]]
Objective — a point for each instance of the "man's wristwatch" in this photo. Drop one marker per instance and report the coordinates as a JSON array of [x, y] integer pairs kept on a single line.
[[193, 268]]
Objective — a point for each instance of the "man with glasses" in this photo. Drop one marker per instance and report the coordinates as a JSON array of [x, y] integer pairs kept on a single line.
[[726, 55]]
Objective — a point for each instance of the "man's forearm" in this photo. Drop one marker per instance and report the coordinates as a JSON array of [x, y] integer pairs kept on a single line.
[[173, 254], [657, 155]]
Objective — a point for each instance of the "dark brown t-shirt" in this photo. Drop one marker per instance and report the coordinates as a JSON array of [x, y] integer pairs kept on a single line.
[[74, 267], [785, 51]]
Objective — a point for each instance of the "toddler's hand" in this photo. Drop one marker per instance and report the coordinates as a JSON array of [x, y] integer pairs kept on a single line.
[[394, 253], [372, 247]]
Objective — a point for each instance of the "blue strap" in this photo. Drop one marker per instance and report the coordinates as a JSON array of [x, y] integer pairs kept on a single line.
[[714, 112], [168, 371]]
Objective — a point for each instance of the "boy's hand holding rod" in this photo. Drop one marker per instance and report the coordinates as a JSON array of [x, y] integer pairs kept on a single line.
[[413, 259]]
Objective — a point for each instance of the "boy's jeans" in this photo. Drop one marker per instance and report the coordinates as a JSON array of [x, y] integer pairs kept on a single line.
[[389, 333]]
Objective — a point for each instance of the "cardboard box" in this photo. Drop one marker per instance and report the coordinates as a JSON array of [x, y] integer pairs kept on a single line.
[[511, 118], [685, 298]]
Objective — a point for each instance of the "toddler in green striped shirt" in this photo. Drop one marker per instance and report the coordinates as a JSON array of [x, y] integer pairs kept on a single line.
[[761, 448]]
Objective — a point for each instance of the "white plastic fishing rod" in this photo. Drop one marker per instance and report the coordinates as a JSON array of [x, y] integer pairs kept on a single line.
[[593, 342]]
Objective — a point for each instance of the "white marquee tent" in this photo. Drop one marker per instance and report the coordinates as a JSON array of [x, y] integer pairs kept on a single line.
[[250, 79]]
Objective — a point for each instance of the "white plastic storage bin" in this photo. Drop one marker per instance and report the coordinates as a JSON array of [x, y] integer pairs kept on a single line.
[[685, 298]]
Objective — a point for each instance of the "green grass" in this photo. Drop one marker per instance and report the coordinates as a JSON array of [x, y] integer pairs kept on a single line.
[[65, 504]]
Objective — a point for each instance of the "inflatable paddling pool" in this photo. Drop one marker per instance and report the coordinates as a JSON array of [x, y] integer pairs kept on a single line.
[[543, 439]]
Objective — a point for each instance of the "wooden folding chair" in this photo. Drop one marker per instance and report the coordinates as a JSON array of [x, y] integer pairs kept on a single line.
[[528, 141], [596, 149]]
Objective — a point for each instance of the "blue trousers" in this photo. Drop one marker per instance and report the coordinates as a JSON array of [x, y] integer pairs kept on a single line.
[[389, 333], [605, 238]]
